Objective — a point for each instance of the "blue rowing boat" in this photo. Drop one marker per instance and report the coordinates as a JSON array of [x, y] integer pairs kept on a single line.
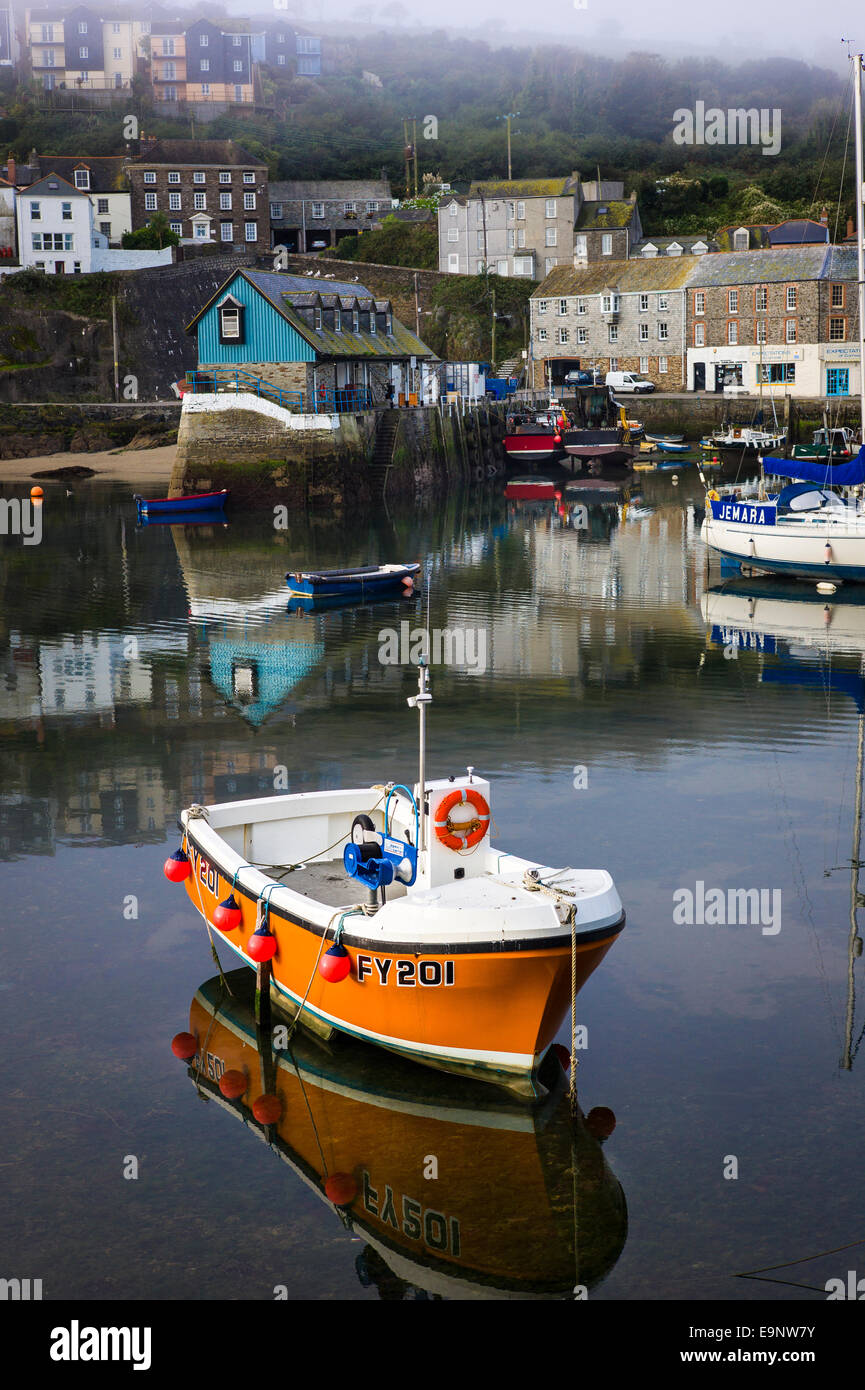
[[362, 582], [179, 506]]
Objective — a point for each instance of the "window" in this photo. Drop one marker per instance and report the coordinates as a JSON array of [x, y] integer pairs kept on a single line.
[[581, 248], [551, 236], [47, 33], [610, 303], [205, 89], [238, 65], [454, 235], [521, 236], [582, 306], [280, 58], [542, 332], [149, 176], [453, 210], [200, 230], [199, 202], [150, 202], [582, 335], [732, 332], [115, 28], [699, 335], [663, 303], [662, 332], [607, 244], [761, 299], [230, 322], [66, 212], [644, 332], [355, 320], [614, 364], [836, 330], [372, 207], [318, 211], [613, 333], [250, 231], [549, 264], [174, 176], [225, 176], [199, 176], [662, 366], [275, 209], [82, 27], [733, 302], [226, 231], [740, 240], [174, 202], [790, 328], [347, 209], [699, 301], [523, 265], [337, 321], [551, 207], [837, 380], [169, 73], [204, 64], [562, 306], [168, 94], [102, 205], [168, 48], [791, 298], [511, 207], [177, 228], [203, 40], [453, 261], [118, 53], [36, 238], [521, 212], [388, 325], [563, 335], [249, 202], [644, 303], [236, 40], [837, 296], [512, 239], [762, 331], [644, 365], [225, 202], [84, 53], [542, 306], [372, 322]]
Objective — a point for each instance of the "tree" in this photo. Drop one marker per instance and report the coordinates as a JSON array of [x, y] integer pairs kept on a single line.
[[154, 237]]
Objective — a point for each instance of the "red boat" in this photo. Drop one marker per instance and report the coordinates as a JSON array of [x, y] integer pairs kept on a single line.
[[530, 440]]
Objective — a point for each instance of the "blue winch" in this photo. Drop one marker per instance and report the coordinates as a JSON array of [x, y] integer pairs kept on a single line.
[[375, 859]]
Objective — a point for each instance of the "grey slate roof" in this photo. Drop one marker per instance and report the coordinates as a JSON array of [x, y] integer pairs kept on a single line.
[[331, 190], [766, 267]]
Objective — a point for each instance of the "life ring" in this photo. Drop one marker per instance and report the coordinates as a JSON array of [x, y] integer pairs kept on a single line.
[[714, 496], [471, 832]]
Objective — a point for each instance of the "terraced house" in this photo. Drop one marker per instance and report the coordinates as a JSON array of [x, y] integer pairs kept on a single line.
[[784, 318], [529, 226], [210, 191], [621, 316]]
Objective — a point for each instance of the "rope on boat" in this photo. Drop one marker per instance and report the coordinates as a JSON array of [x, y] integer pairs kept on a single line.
[[201, 812], [563, 897]]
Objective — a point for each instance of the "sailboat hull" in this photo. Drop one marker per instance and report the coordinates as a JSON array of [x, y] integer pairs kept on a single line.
[[817, 549]]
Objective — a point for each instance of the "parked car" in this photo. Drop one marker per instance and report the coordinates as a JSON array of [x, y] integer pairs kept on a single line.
[[583, 378], [629, 381]]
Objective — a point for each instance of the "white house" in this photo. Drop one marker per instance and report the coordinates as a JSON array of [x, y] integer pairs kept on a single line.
[[57, 233]]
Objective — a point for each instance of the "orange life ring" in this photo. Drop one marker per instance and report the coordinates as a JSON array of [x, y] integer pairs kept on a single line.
[[472, 832]]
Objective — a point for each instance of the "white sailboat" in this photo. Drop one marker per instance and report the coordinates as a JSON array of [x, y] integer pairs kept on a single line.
[[806, 530]]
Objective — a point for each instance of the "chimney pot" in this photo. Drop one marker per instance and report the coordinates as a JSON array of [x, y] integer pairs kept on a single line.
[[824, 216]]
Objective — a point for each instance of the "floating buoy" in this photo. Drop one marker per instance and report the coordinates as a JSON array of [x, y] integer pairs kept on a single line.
[[563, 1055], [335, 964], [267, 1109], [825, 588], [675, 480], [177, 866], [557, 439], [227, 914], [36, 493], [557, 494], [184, 1046], [262, 945], [408, 583], [827, 552], [232, 1084], [600, 1122], [341, 1189]]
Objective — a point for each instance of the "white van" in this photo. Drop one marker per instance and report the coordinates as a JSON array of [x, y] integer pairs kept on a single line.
[[628, 381]]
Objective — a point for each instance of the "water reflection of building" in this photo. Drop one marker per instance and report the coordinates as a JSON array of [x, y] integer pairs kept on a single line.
[[116, 804]]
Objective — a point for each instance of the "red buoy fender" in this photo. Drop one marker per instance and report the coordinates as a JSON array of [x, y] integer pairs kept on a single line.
[[455, 836]]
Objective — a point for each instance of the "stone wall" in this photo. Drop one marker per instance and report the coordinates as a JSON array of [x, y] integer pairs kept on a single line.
[[30, 431]]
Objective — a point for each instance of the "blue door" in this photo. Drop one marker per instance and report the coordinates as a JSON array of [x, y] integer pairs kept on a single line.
[[837, 381]]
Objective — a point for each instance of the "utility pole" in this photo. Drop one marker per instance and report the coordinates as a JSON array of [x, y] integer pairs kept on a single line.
[[414, 147], [507, 118], [493, 334], [116, 358], [409, 152], [860, 233]]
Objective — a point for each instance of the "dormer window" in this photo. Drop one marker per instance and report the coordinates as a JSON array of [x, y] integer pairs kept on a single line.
[[231, 315], [650, 251], [372, 325], [699, 248], [741, 240], [355, 321], [674, 249], [82, 179], [388, 325], [453, 209], [610, 303], [337, 320], [317, 318]]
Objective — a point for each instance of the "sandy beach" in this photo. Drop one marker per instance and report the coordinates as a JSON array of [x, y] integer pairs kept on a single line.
[[135, 466]]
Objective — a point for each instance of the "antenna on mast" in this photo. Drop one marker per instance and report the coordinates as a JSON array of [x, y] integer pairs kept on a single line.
[[420, 702]]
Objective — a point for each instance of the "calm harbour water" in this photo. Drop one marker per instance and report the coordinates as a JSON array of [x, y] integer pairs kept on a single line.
[[715, 751]]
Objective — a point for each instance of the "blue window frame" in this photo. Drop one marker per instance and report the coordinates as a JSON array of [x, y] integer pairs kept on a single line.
[[837, 381]]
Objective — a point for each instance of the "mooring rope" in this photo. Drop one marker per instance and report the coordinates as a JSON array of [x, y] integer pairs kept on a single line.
[[563, 897]]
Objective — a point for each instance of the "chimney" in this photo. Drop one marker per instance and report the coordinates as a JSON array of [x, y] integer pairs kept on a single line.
[[633, 197], [10, 168], [824, 216]]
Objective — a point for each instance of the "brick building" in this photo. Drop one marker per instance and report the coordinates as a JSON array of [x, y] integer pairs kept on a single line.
[[307, 215], [210, 191]]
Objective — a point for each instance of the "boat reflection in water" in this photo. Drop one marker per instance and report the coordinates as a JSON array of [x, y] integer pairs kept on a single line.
[[501, 1218]]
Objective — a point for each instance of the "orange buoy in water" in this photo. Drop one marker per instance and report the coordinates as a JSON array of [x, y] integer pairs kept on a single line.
[[267, 1109], [341, 1189], [36, 493], [600, 1122], [232, 1084], [184, 1046]]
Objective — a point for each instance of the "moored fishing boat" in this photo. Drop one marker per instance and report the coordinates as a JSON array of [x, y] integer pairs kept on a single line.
[[664, 438], [358, 582], [460, 954], [177, 506], [535, 439], [827, 446]]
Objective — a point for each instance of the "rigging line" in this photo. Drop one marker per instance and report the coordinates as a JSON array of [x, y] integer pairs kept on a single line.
[[806, 1259]]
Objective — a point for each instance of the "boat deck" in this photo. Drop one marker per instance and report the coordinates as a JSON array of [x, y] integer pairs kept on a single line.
[[326, 883]]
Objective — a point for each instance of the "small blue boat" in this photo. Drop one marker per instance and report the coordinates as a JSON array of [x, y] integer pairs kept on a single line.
[[671, 446], [179, 506], [362, 582]]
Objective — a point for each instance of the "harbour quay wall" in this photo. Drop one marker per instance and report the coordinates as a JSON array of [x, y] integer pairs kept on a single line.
[[695, 415], [267, 454], [31, 431]]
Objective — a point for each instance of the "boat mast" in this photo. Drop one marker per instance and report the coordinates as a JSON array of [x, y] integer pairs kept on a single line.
[[860, 236], [854, 945], [420, 702]]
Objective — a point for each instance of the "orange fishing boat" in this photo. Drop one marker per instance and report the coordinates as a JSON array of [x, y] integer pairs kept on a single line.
[[459, 955], [521, 1202]]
